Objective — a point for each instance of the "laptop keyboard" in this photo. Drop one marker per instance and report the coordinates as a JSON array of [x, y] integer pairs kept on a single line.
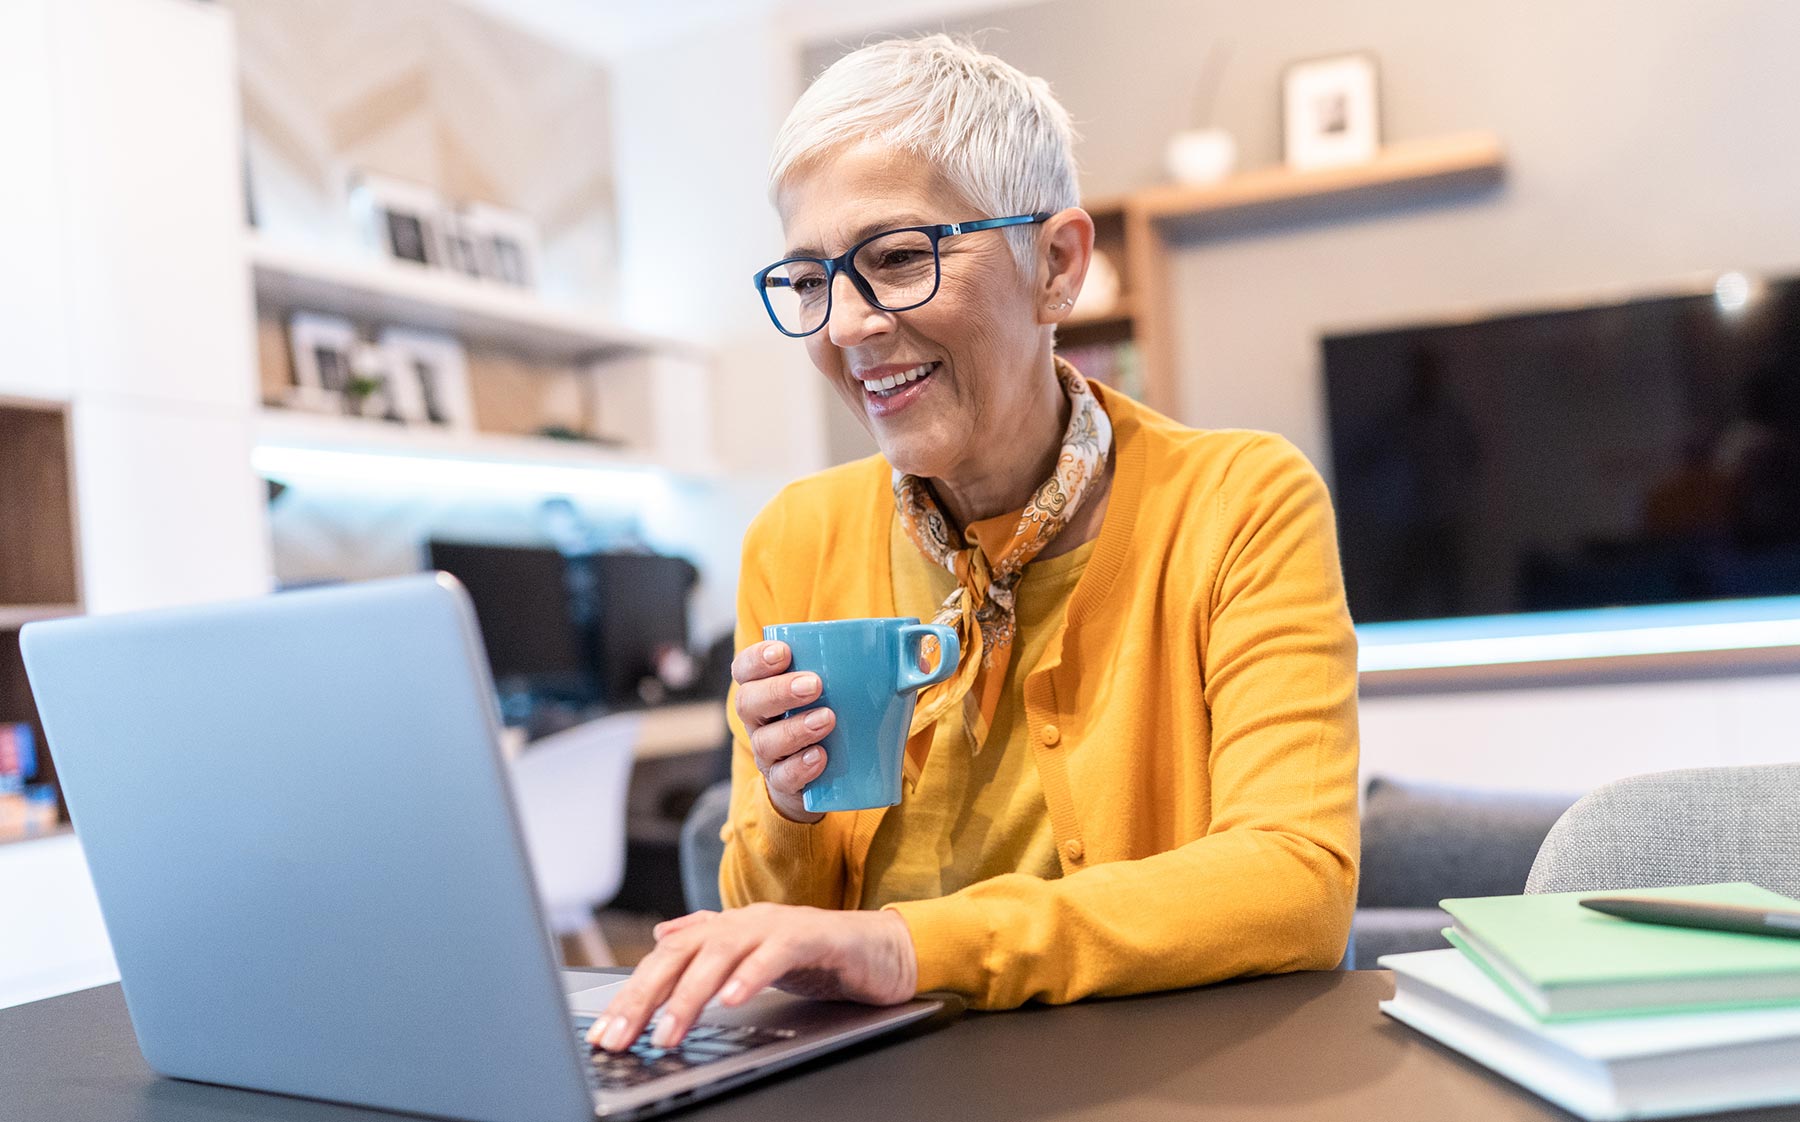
[[703, 1044]]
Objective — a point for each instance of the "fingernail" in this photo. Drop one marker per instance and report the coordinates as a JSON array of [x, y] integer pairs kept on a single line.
[[617, 1034], [817, 720], [664, 1034], [812, 756], [597, 1030], [772, 653], [733, 991], [806, 685]]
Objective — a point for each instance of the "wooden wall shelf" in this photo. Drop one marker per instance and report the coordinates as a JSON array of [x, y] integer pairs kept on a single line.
[[1464, 158], [1139, 230]]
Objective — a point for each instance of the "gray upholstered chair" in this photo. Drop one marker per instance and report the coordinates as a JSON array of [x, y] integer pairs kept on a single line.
[[1694, 826], [701, 847], [1425, 842]]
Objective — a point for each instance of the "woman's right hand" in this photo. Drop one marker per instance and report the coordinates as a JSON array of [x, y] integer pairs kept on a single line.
[[786, 748]]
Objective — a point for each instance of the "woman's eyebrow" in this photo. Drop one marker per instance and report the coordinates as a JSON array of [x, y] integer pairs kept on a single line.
[[893, 222]]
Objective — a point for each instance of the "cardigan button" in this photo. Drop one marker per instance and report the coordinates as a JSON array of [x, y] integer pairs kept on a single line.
[[1072, 850], [1051, 735]]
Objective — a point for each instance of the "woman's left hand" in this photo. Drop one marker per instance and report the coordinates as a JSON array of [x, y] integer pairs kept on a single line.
[[846, 956]]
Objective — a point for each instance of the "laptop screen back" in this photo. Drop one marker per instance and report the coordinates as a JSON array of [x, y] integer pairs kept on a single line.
[[297, 823]]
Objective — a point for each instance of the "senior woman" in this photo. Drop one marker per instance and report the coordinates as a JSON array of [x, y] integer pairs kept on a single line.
[[1143, 774]]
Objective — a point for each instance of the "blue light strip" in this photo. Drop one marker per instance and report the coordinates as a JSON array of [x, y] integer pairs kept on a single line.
[[1725, 625]]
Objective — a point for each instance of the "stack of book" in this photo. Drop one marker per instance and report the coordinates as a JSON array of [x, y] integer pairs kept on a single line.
[[1609, 1018]]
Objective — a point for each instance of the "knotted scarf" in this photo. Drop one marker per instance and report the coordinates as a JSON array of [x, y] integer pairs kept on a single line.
[[981, 607]]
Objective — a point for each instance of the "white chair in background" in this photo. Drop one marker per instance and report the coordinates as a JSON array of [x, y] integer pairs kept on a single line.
[[570, 787]]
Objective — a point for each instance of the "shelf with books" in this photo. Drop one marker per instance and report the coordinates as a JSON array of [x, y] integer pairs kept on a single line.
[[1111, 360], [40, 578]]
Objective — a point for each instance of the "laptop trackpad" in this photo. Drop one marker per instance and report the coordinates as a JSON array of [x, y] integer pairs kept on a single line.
[[594, 999]]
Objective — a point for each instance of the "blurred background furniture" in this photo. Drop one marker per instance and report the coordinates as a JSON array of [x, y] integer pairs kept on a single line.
[[702, 849], [1424, 842], [570, 789], [1689, 826]]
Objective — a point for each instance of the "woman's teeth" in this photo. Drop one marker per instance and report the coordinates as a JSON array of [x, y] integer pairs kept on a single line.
[[882, 387]]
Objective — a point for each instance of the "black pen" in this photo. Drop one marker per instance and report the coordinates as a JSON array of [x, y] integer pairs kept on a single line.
[[1687, 913]]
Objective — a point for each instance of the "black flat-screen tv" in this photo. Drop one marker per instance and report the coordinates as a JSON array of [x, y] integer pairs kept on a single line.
[[1642, 452]]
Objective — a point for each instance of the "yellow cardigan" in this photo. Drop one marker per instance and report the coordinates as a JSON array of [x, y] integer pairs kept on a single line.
[[1194, 727]]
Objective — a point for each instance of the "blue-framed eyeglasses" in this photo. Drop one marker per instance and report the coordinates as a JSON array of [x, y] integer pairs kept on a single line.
[[895, 271]]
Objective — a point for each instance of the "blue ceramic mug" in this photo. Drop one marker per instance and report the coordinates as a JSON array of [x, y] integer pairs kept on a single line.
[[869, 670]]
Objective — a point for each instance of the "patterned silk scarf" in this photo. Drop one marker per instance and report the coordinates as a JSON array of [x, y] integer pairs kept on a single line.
[[981, 608]]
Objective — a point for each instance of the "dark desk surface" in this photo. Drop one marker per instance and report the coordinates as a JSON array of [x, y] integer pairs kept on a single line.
[[1291, 1047]]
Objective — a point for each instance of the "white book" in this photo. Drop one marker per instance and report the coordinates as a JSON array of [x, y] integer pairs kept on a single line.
[[1645, 1066]]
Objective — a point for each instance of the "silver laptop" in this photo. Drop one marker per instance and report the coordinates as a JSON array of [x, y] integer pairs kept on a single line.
[[299, 827]]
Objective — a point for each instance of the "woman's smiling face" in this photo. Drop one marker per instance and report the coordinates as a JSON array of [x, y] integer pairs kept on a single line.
[[964, 363]]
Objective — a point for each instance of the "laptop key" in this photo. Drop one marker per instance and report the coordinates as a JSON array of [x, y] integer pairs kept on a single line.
[[703, 1044]]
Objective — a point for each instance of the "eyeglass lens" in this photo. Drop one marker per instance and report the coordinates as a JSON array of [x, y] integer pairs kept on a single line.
[[901, 270]]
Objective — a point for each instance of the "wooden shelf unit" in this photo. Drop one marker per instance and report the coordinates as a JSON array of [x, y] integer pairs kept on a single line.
[[1139, 230], [40, 572], [1406, 164]]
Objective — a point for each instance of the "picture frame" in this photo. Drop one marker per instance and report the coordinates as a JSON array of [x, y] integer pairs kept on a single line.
[[1331, 111], [322, 348], [461, 245], [429, 375], [506, 244], [405, 221]]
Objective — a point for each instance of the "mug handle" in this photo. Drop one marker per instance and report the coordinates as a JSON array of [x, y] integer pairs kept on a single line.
[[911, 677]]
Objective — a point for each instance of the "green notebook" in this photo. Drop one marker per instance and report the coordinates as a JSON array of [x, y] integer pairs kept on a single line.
[[1562, 961]]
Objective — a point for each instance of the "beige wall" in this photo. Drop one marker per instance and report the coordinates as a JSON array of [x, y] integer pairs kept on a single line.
[[1646, 142]]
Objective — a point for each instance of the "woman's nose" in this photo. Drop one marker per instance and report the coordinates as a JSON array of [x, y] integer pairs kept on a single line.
[[853, 318]]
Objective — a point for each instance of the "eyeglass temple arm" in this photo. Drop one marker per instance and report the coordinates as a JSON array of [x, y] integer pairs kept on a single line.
[[955, 228]]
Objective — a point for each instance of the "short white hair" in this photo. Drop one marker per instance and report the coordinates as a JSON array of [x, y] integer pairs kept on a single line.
[[997, 135]]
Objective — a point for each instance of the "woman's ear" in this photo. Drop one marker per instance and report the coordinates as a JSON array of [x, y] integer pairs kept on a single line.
[[1065, 249]]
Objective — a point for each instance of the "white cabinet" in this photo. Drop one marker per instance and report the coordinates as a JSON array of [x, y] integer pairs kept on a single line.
[[169, 509], [32, 361], [124, 285], [150, 200]]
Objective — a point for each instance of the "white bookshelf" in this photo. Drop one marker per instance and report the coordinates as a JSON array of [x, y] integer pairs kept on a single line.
[[289, 277]]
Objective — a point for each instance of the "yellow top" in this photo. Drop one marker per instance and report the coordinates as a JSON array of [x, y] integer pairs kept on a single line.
[[1193, 727], [973, 815]]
